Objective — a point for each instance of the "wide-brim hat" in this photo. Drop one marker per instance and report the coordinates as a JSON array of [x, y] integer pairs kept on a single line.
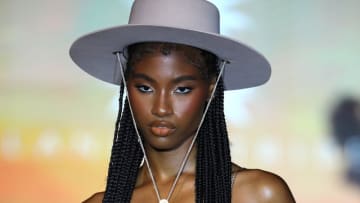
[[190, 22]]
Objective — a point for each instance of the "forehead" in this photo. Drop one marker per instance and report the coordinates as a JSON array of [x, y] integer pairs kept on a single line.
[[160, 65], [205, 62]]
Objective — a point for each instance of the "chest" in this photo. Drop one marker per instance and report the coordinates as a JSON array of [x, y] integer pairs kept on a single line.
[[184, 193]]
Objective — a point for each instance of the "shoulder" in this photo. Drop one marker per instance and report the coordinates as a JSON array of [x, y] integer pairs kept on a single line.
[[95, 198], [262, 186]]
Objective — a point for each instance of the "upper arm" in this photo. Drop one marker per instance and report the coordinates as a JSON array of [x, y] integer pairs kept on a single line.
[[261, 186], [95, 198]]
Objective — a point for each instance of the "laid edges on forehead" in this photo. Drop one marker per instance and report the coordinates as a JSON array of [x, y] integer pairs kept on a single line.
[[162, 45]]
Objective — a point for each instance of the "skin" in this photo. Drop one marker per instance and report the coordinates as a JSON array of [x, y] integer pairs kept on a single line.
[[170, 94]]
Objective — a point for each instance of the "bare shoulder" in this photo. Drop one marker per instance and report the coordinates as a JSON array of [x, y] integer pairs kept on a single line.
[[259, 185], [95, 198]]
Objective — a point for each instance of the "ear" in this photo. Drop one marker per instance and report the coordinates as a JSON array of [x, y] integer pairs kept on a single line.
[[211, 87]]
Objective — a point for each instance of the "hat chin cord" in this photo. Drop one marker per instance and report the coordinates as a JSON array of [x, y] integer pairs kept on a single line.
[[182, 166]]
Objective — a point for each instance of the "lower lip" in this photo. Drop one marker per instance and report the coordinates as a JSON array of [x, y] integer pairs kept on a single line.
[[161, 131]]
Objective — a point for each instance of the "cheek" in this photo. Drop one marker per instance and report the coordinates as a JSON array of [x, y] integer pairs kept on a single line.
[[190, 108], [139, 105]]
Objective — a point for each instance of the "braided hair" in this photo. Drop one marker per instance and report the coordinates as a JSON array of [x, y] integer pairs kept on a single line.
[[213, 162]]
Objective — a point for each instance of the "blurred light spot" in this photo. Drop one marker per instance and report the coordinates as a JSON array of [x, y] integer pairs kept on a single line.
[[267, 151], [235, 107], [327, 154], [10, 145], [113, 105], [239, 150], [84, 145], [298, 154], [48, 143]]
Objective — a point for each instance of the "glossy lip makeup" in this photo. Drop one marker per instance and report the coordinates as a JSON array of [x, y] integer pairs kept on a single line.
[[162, 128]]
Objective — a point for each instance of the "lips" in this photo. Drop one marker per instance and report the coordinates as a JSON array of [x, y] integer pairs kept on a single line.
[[162, 128]]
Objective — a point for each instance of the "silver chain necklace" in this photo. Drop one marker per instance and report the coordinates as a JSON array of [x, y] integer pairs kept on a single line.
[[182, 166]]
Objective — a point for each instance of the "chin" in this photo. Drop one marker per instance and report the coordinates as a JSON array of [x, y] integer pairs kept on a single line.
[[163, 144]]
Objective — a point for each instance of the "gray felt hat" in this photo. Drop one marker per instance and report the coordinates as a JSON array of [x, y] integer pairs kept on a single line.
[[189, 22]]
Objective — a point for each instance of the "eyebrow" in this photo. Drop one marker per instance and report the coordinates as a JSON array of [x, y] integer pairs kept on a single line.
[[184, 78], [176, 80], [142, 76]]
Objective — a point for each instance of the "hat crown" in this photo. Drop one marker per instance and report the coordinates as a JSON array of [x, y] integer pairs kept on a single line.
[[197, 15]]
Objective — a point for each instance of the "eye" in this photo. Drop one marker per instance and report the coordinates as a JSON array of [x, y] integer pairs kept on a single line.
[[183, 90], [144, 88]]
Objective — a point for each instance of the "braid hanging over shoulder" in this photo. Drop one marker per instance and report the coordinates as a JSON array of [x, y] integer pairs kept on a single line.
[[126, 156], [213, 166]]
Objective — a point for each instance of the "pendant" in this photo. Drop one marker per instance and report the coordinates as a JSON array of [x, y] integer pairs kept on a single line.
[[163, 201]]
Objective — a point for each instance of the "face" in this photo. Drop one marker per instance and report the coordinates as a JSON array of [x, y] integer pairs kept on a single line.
[[168, 97]]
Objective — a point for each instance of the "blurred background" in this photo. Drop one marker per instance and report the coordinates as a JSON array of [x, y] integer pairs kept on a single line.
[[57, 122]]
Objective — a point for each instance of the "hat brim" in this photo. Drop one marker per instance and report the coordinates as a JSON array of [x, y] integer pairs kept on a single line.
[[94, 52]]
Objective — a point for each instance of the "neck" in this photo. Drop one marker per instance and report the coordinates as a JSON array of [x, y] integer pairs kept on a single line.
[[166, 163]]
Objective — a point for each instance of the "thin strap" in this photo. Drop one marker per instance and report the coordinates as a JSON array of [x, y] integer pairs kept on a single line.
[[233, 177]]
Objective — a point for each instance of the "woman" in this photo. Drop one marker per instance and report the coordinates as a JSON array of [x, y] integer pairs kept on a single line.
[[172, 116]]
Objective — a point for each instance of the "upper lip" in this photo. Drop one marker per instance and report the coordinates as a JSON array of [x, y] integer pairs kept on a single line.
[[162, 124]]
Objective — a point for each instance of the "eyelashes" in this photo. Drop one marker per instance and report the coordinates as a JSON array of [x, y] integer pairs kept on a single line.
[[144, 88], [183, 90], [177, 90]]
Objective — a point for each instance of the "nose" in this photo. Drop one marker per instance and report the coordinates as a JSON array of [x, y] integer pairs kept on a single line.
[[162, 105]]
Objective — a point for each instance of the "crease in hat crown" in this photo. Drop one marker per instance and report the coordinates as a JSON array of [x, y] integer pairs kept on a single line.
[[189, 22]]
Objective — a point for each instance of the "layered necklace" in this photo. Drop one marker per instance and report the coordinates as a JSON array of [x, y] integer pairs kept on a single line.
[[179, 172]]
